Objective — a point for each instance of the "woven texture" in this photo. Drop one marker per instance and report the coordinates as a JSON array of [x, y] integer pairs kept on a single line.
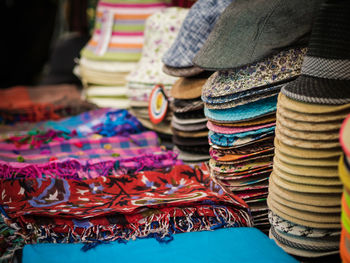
[[244, 112], [194, 31]]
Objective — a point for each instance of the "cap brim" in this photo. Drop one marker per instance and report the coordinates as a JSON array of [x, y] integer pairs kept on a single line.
[[314, 90]]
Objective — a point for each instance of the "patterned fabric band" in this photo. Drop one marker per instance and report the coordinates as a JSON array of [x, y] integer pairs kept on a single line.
[[326, 68]]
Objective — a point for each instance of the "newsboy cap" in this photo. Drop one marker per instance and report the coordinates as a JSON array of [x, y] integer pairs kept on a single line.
[[250, 30]]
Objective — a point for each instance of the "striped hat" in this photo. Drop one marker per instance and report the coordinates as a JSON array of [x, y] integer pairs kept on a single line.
[[119, 26]]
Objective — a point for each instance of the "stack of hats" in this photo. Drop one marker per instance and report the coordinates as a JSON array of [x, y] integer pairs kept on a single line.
[[189, 123], [304, 186], [160, 32], [190, 133], [115, 47], [240, 106], [344, 173], [240, 98]]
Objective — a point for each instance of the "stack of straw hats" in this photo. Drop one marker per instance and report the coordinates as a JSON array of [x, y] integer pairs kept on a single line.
[[190, 134], [240, 97], [160, 32], [305, 189], [114, 49], [344, 173]]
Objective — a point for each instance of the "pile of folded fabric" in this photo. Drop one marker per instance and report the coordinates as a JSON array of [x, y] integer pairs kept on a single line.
[[305, 190], [116, 206], [115, 47], [188, 122], [344, 174], [24, 104], [160, 32], [240, 104]]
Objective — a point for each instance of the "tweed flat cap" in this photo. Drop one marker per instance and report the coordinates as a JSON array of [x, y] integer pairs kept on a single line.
[[250, 30]]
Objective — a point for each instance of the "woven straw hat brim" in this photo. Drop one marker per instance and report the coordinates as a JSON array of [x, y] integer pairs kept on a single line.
[[328, 172], [307, 126], [103, 78], [182, 72], [308, 243], [309, 108], [303, 188], [320, 200], [312, 118], [318, 90], [187, 88], [307, 153], [303, 207], [258, 121], [304, 218], [301, 252], [304, 248], [308, 135], [304, 143], [288, 159], [307, 180]]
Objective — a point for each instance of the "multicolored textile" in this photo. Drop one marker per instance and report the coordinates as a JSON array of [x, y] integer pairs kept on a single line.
[[119, 29], [85, 158], [222, 139], [34, 104], [106, 121], [112, 207], [10, 242]]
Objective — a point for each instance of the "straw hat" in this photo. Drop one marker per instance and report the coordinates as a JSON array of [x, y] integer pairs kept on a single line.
[[325, 73], [308, 219], [307, 180], [304, 143], [306, 198], [283, 225], [304, 188], [187, 88], [123, 42], [307, 126], [232, 130], [304, 207], [300, 160], [312, 118], [303, 246], [309, 108], [306, 153], [315, 135]]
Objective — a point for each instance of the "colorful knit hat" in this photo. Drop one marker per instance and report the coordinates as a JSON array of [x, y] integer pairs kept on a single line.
[[119, 27], [325, 75]]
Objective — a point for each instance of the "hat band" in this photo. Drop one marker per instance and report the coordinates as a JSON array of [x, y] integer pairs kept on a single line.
[[326, 68]]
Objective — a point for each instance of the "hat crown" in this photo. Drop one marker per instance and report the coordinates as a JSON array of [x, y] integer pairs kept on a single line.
[[119, 29], [330, 36], [160, 32]]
